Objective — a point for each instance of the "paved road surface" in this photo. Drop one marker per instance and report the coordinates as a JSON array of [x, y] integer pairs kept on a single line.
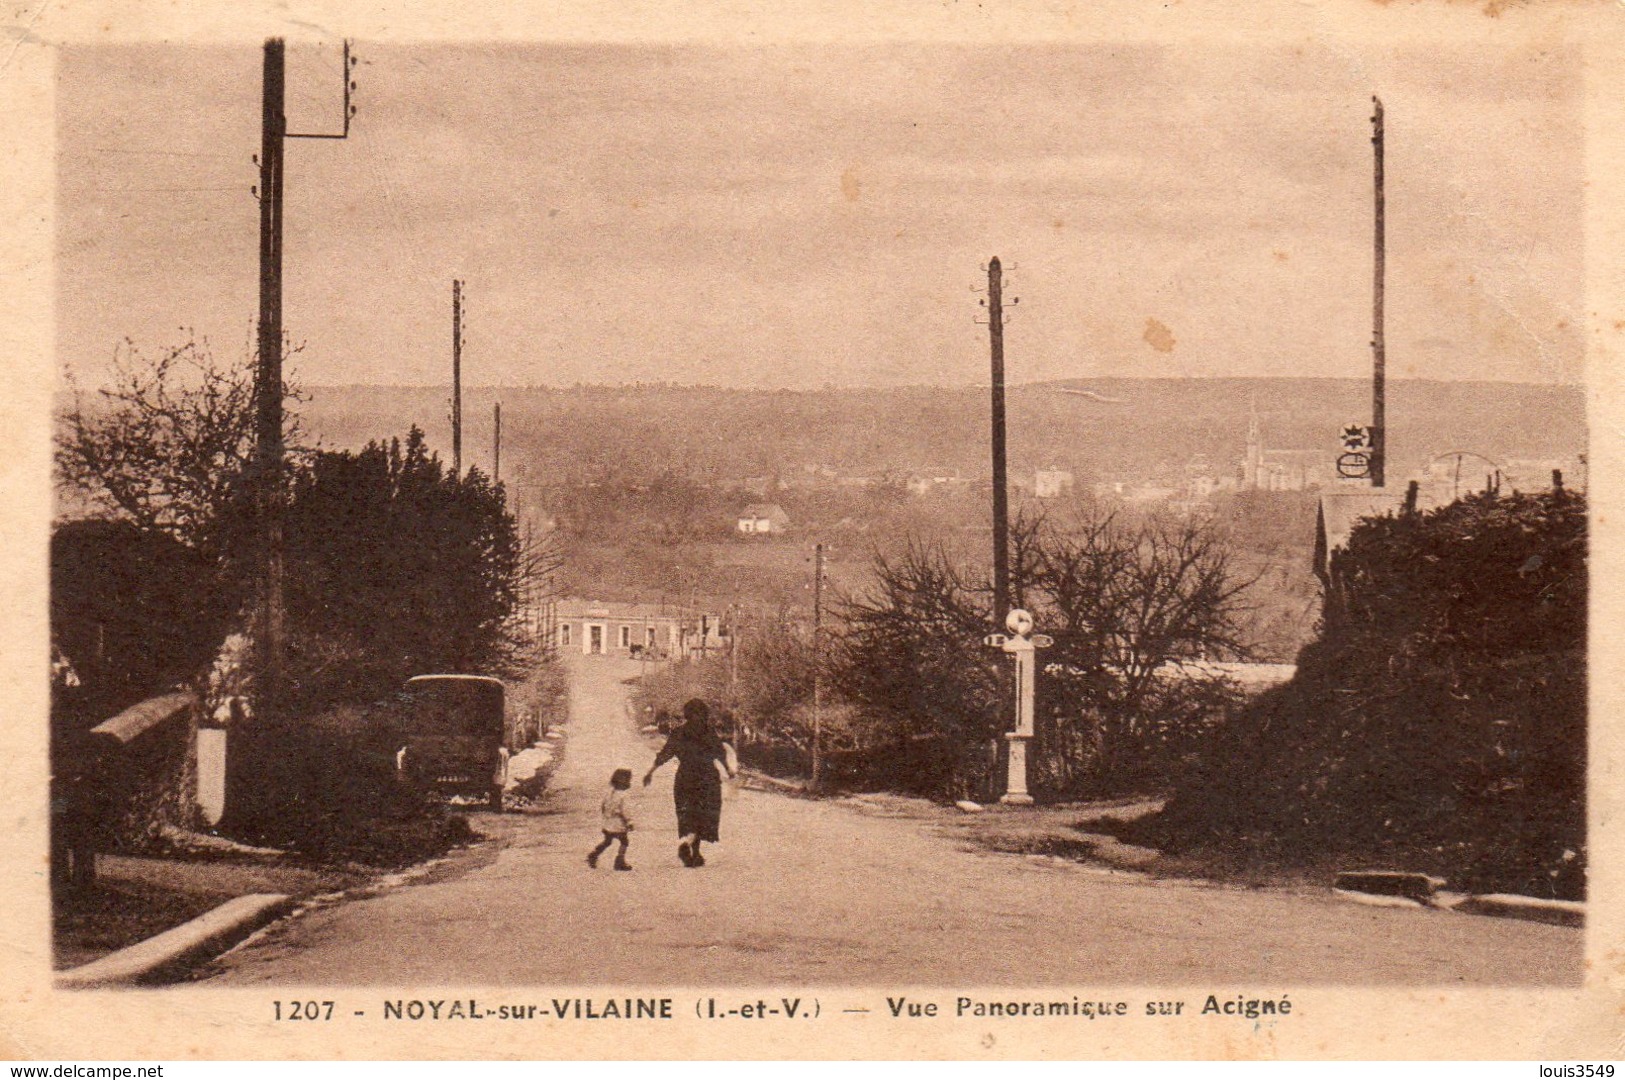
[[815, 893]]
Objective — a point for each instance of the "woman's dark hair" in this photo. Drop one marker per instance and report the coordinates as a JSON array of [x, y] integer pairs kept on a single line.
[[621, 778], [696, 717]]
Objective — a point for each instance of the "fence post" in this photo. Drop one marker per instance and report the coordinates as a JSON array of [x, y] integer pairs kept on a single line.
[[213, 746]]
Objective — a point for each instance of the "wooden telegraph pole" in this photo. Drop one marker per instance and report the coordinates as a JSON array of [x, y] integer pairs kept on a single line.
[[1001, 508], [456, 378], [496, 444], [268, 480], [268, 448], [818, 668], [1379, 358]]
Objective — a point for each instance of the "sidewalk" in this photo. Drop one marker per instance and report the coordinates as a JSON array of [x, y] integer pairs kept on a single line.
[[161, 909], [138, 897]]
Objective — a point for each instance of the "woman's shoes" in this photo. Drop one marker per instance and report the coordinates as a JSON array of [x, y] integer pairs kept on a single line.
[[699, 860], [686, 854]]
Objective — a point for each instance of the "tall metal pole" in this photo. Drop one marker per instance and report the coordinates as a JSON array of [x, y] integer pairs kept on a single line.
[[1379, 357], [268, 448], [818, 668], [1001, 508], [456, 378], [496, 444]]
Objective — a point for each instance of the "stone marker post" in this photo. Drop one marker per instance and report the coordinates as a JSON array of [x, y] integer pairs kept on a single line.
[[1022, 644]]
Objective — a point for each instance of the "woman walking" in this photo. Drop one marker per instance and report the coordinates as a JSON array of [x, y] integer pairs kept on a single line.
[[698, 790]]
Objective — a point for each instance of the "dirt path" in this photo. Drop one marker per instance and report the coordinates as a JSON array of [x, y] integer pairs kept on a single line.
[[810, 893]]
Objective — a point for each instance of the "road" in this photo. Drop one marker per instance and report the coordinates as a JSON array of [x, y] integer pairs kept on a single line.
[[811, 893]]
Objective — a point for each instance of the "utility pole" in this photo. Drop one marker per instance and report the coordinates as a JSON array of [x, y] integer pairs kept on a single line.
[[1379, 357], [456, 378], [268, 480], [268, 448], [1001, 508], [733, 670], [733, 652], [496, 444], [818, 668]]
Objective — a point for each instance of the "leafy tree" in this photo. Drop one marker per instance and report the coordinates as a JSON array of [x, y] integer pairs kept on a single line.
[[399, 568]]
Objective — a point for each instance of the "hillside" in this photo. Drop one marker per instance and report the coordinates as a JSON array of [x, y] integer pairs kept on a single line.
[[1147, 430], [644, 481]]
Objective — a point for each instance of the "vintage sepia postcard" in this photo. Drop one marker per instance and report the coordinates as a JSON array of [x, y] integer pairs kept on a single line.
[[870, 530]]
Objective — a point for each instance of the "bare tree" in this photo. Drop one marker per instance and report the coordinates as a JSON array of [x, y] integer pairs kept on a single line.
[[910, 655], [1129, 604], [167, 445], [1134, 607]]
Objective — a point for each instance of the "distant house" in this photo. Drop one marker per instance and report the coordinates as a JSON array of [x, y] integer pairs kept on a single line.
[[600, 628], [925, 483], [761, 518], [1293, 470], [1052, 483], [1201, 479]]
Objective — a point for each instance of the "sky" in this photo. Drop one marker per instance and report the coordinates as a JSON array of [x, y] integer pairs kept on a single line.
[[795, 216]]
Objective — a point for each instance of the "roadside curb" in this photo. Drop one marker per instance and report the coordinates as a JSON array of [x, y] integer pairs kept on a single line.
[[1378, 899], [1530, 908], [1492, 905], [1398, 888], [207, 935]]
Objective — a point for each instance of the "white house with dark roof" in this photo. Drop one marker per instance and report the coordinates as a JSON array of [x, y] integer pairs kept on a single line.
[[760, 519]]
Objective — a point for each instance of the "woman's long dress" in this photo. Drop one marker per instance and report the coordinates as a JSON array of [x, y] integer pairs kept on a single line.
[[698, 790]]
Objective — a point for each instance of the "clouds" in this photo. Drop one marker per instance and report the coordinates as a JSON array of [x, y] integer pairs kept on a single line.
[[801, 215]]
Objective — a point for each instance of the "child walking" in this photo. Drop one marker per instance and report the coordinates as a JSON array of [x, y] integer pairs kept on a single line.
[[617, 819]]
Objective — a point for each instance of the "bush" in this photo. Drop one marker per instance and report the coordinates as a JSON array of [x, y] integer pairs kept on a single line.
[[133, 611], [1124, 601], [325, 787], [1440, 718], [397, 568]]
